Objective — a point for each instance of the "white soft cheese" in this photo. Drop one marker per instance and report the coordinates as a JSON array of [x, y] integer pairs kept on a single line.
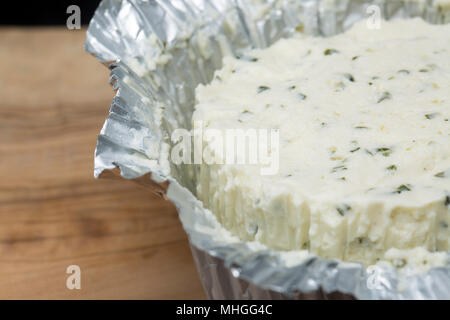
[[364, 142]]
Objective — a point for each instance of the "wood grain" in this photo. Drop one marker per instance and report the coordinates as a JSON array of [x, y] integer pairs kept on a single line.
[[128, 243]]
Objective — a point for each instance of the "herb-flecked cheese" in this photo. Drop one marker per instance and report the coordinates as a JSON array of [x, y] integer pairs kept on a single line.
[[364, 148]]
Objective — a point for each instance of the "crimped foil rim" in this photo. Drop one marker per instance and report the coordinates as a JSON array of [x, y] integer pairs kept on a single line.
[[134, 136]]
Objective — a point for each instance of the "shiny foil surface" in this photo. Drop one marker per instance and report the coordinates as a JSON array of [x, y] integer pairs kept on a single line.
[[158, 51]]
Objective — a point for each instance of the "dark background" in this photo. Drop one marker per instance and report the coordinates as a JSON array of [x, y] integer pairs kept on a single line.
[[42, 13]]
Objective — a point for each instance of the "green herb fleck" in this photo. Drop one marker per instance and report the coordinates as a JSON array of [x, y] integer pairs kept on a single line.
[[402, 188], [403, 71], [356, 149], [300, 28], [430, 116], [363, 241], [343, 209], [247, 58], [329, 52], [361, 127], [305, 245], [399, 263], [393, 167], [440, 174], [354, 58], [262, 89], [302, 96], [349, 77], [384, 96], [339, 168], [384, 151]]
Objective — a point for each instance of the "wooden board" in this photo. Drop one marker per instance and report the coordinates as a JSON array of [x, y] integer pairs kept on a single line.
[[128, 243]]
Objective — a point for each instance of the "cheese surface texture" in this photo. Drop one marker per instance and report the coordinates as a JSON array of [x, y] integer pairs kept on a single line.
[[364, 153]]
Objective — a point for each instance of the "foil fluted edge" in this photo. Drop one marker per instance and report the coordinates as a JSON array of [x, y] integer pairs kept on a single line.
[[158, 52]]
